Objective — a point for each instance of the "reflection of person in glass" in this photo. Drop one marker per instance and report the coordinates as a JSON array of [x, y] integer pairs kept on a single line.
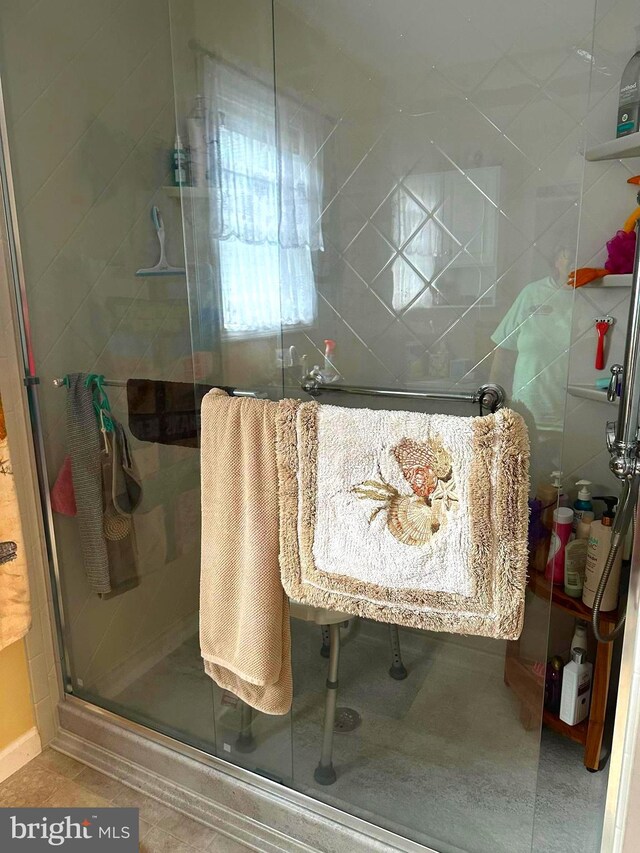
[[530, 359]]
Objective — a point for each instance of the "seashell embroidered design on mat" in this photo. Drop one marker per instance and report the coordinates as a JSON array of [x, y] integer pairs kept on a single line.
[[414, 519]]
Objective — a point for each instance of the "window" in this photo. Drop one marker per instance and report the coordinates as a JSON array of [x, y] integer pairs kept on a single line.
[[265, 209]]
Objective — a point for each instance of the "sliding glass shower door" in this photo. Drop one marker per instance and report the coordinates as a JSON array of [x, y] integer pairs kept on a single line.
[[389, 193], [384, 193]]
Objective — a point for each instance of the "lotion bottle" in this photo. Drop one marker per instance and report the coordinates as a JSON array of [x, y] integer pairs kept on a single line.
[[575, 562], [597, 553], [576, 688]]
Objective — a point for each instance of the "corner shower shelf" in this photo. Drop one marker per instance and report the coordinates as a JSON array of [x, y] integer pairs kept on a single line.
[[615, 149], [588, 392], [623, 280]]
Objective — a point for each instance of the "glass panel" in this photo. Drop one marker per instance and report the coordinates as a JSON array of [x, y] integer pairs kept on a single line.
[[389, 191], [223, 71], [450, 204], [91, 118]]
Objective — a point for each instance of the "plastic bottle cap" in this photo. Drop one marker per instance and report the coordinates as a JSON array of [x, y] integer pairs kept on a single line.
[[563, 515], [584, 494], [578, 655]]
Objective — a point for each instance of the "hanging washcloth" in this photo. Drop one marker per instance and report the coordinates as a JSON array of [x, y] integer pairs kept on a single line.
[[85, 449], [244, 613], [106, 486], [122, 494], [408, 518]]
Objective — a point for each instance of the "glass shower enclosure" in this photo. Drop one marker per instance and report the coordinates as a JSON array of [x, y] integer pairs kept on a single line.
[[387, 193]]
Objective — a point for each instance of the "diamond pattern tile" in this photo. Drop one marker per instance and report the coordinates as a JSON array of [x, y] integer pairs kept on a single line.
[[369, 253]]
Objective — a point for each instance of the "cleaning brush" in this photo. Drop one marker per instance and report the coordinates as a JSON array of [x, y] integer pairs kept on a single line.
[[602, 327], [162, 267]]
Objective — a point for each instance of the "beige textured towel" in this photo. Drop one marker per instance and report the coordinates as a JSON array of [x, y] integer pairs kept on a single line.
[[244, 613], [415, 519], [15, 603]]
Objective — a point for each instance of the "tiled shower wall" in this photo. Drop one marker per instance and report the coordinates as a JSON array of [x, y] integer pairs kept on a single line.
[[607, 202], [89, 97], [492, 102]]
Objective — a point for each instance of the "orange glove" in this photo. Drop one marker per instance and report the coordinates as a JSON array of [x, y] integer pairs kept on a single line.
[[579, 277]]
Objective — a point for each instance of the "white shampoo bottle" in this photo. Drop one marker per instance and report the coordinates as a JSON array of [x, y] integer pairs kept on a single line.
[[576, 688]]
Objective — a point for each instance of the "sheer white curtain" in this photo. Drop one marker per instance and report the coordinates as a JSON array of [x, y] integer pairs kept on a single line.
[[266, 197]]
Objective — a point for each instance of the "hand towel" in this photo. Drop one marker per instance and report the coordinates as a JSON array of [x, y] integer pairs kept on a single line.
[[415, 519], [85, 449], [244, 612], [15, 602]]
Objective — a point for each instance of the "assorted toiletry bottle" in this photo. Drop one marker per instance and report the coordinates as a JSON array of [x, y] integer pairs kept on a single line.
[[582, 507], [567, 688], [196, 135], [329, 372], [579, 639], [553, 684], [576, 688], [575, 563], [562, 524], [439, 361], [179, 163], [549, 496], [629, 99], [597, 553], [190, 163]]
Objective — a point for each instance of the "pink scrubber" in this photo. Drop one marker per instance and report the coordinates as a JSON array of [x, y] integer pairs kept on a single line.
[[621, 251], [63, 498]]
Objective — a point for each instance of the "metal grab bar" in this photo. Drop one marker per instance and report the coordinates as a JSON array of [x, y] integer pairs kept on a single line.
[[122, 383], [489, 396]]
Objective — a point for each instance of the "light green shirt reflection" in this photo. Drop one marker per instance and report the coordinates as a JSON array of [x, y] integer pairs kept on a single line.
[[538, 328]]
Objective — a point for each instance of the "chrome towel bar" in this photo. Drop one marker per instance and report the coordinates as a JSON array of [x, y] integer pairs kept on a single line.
[[121, 383], [489, 396]]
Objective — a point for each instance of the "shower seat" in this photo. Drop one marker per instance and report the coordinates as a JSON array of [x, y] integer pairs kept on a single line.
[[330, 622]]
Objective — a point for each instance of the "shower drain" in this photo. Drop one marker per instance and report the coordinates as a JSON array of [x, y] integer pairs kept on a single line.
[[347, 720]]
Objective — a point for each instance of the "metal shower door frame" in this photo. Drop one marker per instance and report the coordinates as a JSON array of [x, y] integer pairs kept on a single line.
[[10, 236], [628, 711]]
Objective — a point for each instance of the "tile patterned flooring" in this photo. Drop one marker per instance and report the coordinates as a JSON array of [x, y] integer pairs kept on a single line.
[[58, 781]]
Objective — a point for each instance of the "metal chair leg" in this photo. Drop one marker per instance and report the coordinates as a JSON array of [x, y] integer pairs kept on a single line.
[[324, 774], [326, 643], [245, 742], [397, 669]]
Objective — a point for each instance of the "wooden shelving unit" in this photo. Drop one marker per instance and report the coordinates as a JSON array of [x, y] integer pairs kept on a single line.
[[578, 733], [573, 606], [519, 675]]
